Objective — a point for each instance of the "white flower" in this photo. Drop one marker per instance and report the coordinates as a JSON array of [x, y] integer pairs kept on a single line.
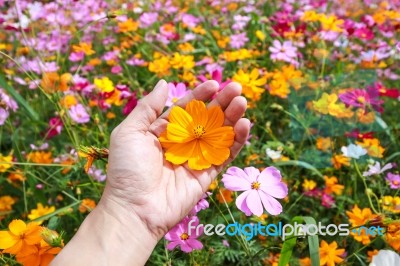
[[376, 169], [274, 155], [353, 151], [385, 258]]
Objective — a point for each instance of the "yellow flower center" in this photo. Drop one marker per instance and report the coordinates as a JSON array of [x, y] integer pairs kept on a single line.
[[255, 185], [361, 99], [199, 131], [174, 100], [184, 236]]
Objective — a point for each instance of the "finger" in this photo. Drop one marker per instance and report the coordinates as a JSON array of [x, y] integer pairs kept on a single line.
[[235, 110], [225, 97], [148, 109], [203, 92]]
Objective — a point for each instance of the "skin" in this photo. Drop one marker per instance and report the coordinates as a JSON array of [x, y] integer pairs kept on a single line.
[[145, 195]]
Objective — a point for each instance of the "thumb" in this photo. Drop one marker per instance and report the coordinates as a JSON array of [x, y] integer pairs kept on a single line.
[[148, 109]]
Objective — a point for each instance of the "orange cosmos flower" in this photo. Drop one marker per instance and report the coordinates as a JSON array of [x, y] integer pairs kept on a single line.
[[21, 238], [196, 135], [330, 254]]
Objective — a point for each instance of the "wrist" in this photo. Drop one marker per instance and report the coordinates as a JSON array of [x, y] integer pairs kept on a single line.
[[110, 235]]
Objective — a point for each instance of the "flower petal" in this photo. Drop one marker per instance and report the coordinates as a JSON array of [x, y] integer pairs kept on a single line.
[[269, 176], [214, 155], [222, 137], [277, 191], [194, 243], [236, 171], [241, 202], [179, 116], [272, 206], [173, 245], [17, 227], [215, 118], [197, 160], [180, 153], [178, 134], [252, 173], [254, 203], [7, 239], [235, 182], [198, 111]]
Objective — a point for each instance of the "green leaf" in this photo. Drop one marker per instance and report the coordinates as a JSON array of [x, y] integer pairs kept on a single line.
[[313, 243], [21, 101], [302, 164], [288, 245]]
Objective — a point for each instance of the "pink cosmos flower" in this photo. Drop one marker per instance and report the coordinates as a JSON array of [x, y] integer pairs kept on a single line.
[[260, 189], [394, 180], [147, 19], [362, 98], [364, 33], [179, 235], [217, 76], [78, 114], [202, 204], [284, 52], [376, 169], [238, 40], [327, 200], [97, 174], [175, 92]]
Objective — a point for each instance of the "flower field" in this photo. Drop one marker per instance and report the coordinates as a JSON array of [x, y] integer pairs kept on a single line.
[[322, 84]]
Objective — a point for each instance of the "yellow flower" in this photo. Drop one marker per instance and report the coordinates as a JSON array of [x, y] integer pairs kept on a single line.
[[283, 79], [310, 16], [372, 146], [236, 55], [329, 253], [327, 105], [68, 100], [332, 186], [393, 235], [391, 204], [260, 35], [5, 162], [40, 211], [21, 238], [87, 205], [6, 203], [308, 185], [338, 160], [358, 217], [52, 82], [189, 77], [182, 61], [252, 85], [186, 47], [324, 144], [128, 25], [160, 65], [40, 157], [196, 135], [104, 84], [83, 47], [331, 23]]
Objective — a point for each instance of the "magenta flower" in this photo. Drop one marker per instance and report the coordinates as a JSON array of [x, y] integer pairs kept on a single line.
[[217, 76], [175, 92], [55, 127], [179, 235], [78, 114], [362, 98], [394, 180], [202, 204], [260, 189], [327, 200], [284, 52], [364, 33]]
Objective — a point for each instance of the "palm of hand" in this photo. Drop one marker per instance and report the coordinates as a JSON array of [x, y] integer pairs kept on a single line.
[[139, 177]]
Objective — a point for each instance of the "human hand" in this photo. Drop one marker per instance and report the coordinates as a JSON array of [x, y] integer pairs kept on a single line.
[[145, 195]]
